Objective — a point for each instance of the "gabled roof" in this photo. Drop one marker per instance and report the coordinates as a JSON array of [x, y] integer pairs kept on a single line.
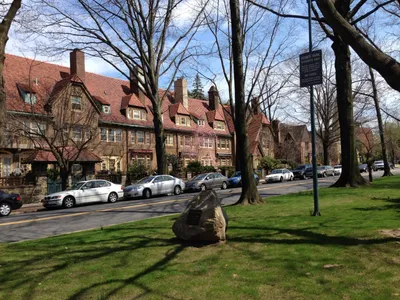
[[101, 100], [299, 133], [50, 77], [179, 109], [131, 100]]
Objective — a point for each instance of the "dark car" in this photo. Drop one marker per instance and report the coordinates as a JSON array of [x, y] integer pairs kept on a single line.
[[236, 179], [363, 168], [8, 202], [300, 171]]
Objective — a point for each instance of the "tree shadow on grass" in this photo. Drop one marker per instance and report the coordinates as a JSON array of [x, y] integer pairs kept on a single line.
[[395, 205]]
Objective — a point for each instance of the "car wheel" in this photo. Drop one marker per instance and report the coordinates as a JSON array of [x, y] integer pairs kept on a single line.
[[177, 190], [146, 194], [5, 209], [69, 202], [325, 175], [291, 178], [203, 187], [304, 176], [224, 185], [281, 180], [113, 197]]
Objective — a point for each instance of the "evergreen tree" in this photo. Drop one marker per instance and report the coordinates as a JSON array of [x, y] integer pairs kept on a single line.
[[197, 91]]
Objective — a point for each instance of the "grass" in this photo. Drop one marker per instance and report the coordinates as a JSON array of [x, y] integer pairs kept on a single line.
[[274, 251]]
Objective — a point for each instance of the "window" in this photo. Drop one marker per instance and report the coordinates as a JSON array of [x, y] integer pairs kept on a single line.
[[147, 138], [182, 121], [29, 98], [38, 128], [169, 140], [76, 103], [188, 140], [106, 109], [206, 161], [133, 137], [77, 133], [223, 144], [118, 135], [201, 122], [219, 125], [140, 137], [142, 159], [103, 134], [206, 142], [111, 137], [136, 114]]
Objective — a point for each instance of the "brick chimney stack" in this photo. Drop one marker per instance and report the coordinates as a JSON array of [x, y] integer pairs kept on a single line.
[[135, 84], [181, 92], [255, 106], [77, 63], [213, 98]]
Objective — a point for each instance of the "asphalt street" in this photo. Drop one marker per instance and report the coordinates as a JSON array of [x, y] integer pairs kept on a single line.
[[28, 226]]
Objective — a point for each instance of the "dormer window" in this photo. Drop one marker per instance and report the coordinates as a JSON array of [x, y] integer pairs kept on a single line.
[[219, 125], [201, 123], [76, 103], [106, 109], [27, 94], [183, 121], [136, 114], [30, 98]]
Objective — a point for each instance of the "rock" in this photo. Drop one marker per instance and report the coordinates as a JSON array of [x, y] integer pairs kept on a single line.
[[331, 266], [203, 220]]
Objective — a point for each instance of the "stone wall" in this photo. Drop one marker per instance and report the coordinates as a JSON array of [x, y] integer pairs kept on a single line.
[[29, 193]]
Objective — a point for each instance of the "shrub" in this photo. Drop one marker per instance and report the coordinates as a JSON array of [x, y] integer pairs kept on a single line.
[[227, 169], [207, 169], [194, 167], [136, 171], [268, 163]]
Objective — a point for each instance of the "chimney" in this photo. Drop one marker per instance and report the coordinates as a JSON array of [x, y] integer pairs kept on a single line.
[[213, 98], [255, 106], [277, 131], [77, 63], [181, 92], [135, 84]]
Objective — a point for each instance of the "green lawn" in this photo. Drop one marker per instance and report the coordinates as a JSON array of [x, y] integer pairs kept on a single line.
[[274, 251]]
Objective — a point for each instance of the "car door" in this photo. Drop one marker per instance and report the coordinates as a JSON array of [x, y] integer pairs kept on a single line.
[[102, 190], [88, 192], [286, 174], [168, 184], [157, 187], [209, 181], [218, 180]]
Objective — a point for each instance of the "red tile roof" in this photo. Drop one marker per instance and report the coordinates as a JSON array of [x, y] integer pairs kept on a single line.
[[177, 108], [131, 100], [101, 100], [69, 153], [50, 78]]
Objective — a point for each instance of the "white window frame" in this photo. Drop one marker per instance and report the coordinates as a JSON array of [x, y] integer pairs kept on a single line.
[[140, 136], [74, 101], [169, 139], [106, 109], [219, 125]]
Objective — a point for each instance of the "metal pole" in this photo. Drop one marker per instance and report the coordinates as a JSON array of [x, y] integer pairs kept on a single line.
[[313, 135]]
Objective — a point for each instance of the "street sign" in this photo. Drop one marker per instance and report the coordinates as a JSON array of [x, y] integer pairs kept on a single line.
[[311, 68]]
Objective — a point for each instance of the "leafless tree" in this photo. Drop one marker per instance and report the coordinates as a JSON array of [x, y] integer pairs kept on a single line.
[[8, 11], [149, 40]]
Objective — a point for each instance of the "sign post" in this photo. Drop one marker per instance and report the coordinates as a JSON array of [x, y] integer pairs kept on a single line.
[[310, 75]]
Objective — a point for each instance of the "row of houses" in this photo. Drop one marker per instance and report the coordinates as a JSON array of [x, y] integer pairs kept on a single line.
[[110, 122]]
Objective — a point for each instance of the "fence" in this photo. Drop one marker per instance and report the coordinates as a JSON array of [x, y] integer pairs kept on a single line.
[[11, 181], [114, 178]]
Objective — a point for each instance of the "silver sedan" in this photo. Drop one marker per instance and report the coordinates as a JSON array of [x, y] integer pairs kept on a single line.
[[154, 185]]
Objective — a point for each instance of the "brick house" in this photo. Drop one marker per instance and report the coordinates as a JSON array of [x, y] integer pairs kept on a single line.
[[116, 110]]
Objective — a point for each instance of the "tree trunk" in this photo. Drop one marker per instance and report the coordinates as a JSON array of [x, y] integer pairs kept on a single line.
[[371, 178], [159, 136], [64, 174], [249, 193], [325, 147], [350, 175], [380, 125], [4, 29]]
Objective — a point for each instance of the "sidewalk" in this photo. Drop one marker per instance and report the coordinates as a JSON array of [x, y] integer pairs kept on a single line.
[[30, 207]]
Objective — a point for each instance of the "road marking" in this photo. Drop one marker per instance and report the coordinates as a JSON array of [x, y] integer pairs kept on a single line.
[[90, 212]]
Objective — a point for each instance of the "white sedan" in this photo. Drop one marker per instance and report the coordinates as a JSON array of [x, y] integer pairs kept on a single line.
[[84, 192], [279, 175]]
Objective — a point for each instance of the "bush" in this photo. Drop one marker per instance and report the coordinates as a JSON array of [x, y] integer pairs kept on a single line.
[[136, 171], [208, 169], [268, 163], [227, 169], [194, 167], [53, 174]]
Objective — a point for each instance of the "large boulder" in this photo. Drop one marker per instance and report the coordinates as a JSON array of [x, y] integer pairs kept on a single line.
[[203, 220]]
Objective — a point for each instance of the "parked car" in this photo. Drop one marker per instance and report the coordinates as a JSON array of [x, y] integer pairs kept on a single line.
[[84, 192], [279, 175], [154, 185], [207, 181], [309, 172], [378, 165], [236, 179], [9, 202], [337, 170], [324, 171], [300, 171], [363, 168]]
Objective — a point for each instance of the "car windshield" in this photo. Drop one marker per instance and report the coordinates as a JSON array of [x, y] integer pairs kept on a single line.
[[76, 186], [199, 177], [321, 168], [237, 174], [146, 179], [338, 167], [277, 171], [300, 167]]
